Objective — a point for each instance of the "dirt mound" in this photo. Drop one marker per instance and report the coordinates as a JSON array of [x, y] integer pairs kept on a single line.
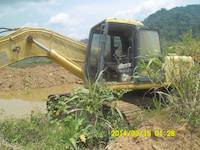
[[36, 77], [184, 139]]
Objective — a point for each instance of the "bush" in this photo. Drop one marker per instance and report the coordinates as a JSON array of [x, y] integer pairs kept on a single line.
[[83, 116], [183, 98], [187, 46], [34, 132]]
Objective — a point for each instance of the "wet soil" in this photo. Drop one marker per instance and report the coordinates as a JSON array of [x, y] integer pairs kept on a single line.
[[23, 90]]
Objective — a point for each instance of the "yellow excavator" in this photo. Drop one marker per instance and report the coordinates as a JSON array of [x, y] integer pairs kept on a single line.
[[112, 55]]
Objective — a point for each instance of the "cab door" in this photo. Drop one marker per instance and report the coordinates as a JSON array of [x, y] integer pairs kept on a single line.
[[94, 56]]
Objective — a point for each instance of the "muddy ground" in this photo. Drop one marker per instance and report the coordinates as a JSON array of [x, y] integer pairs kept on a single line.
[[185, 137], [41, 76], [23, 90], [51, 75]]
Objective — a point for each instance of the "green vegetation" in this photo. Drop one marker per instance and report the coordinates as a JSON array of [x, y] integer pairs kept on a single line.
[[175, 22], [187, 45], [31, 133], [185, 96], [80, 122], [183, 100], [85, 112]]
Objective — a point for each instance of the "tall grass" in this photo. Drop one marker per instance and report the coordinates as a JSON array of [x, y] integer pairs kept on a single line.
[[34, 132], [183, 98], [83, 115], [188, 46]]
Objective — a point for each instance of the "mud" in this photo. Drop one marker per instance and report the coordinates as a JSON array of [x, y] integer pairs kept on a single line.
[[42, 76], [184, 138], [18, 108], [23, 90], [38, 94]]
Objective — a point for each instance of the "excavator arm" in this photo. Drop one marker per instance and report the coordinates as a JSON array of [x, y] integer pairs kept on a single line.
[[32, 42]]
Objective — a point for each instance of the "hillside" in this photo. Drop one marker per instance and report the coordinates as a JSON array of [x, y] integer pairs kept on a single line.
[[174, 22]]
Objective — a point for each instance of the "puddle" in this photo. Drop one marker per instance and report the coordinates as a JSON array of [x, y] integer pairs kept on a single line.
[[19, 108], [22, 103], [39, 94]]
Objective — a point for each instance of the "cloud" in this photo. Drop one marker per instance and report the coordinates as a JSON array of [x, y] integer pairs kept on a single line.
[[31, 24], [144, 8], [75, 18], [63, 19], [3, 14], [5, 2], [67, 24]]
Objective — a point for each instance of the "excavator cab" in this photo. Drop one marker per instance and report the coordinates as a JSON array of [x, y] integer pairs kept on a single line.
[[115, 47]]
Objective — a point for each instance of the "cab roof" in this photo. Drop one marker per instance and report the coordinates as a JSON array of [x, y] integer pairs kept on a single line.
[[125, 21], [120, 20]]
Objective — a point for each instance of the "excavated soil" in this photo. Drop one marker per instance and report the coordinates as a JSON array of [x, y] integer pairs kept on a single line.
[[41, 76], [185, 138]]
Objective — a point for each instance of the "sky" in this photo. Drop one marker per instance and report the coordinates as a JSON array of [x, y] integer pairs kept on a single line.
[[74, 18]]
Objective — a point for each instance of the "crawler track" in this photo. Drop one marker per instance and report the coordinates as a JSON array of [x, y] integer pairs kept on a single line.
[[130, 105], [129, 111]]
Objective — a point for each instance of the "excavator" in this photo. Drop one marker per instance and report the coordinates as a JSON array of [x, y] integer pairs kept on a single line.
[[112, 55]]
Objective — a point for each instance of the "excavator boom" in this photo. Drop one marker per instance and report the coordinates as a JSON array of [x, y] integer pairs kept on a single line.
[[32, 42]]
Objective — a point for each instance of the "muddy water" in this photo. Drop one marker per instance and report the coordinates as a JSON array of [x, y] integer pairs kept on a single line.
[[18, 108], [22, 103]]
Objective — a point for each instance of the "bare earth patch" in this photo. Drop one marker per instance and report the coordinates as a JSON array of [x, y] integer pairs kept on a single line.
[[41, 76], [185, 138]]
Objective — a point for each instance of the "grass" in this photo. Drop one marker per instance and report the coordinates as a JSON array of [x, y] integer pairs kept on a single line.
[[34, 132], [183, 101], [185, 97], [74, 122], [188, 46], [85, 109]]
